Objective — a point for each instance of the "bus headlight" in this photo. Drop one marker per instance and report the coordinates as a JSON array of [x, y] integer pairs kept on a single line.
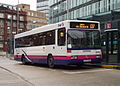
[[74, 57], [98, 56]]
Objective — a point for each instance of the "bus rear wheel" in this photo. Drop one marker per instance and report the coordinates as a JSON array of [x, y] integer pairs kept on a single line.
[[50, 61]]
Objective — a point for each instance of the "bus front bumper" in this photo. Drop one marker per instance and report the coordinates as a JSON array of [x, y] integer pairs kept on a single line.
[[78, 61]]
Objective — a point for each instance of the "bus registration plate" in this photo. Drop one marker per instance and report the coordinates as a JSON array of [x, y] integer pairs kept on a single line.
[[87, 60]]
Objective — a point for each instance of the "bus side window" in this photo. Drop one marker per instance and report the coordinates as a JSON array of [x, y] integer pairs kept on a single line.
[[61, 36], [50, 39]]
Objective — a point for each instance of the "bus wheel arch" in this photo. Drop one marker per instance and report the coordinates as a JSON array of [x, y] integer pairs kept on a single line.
[[23, 60], [22, 57], [50, 61]]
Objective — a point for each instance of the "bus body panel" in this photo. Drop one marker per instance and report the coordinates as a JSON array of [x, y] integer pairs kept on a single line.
[[59, 58], [39, 54]]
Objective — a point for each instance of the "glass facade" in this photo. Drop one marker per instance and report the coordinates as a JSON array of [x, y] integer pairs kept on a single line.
[[72, 9], [43, 6]]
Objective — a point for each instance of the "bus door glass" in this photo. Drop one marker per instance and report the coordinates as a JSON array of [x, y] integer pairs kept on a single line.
[[61, 36], [61, 41]]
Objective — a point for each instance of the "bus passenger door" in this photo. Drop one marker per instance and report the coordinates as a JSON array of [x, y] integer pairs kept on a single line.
[[61, 41]]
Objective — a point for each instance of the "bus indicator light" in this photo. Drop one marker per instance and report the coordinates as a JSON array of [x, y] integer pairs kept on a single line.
[[69, 51]]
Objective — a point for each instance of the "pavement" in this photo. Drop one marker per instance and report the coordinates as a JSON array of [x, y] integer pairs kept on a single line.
[[7, 77], [108, 66], [111, 66], [10, 78]]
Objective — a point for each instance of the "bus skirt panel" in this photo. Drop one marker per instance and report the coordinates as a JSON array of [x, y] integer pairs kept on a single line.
[[60, 60]]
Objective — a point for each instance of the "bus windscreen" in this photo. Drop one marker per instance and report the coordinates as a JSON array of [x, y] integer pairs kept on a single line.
[[78, 39]]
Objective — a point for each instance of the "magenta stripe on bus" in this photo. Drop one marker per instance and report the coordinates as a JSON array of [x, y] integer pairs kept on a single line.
[[62, 57], [38, 57], [86, 56]]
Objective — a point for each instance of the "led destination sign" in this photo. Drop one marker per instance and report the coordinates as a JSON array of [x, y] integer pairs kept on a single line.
[[83, 25]]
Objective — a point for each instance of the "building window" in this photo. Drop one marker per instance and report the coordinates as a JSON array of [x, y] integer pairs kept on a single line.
[[1, 37], [1, 31], [1, 23], [1, 44], [72, 14], [9, 23], [118, 4], [108, 5], [21, 18], [21, 25], [28, 13], [14, 24], [14, 17], [1, 15], [87, 10], [9, 16]]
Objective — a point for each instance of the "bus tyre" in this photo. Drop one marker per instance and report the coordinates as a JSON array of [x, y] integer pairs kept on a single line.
[[50, 61], [79, 65]]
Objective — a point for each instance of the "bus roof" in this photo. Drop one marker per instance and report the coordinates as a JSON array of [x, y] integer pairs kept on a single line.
[[50, 27]]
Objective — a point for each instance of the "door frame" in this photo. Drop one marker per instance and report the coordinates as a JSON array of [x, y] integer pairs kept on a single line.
[[107, 45]]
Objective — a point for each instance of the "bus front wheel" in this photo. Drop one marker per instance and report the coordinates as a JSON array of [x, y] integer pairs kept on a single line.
[[50, 61]]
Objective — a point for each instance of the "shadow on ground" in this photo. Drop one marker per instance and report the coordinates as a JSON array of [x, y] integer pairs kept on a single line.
[[66, 67]]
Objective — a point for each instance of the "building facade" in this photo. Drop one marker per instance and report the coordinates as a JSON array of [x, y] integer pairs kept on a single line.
[[107, 12], [34, 18], [12, 21], [72, 9], [43, 6]]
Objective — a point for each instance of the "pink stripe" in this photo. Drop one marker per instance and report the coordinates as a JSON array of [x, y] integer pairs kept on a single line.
[[62, 57], [38, 57], [42, 57], [79, 57]]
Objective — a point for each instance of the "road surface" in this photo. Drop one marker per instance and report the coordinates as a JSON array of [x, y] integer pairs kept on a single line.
[[41, 75]]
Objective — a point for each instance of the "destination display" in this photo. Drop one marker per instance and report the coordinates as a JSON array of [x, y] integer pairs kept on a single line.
[[83, 25]]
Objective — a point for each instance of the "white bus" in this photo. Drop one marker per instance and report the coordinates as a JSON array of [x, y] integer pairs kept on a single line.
[[64, 43]]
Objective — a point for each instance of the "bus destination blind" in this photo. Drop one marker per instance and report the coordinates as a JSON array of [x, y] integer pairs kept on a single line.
[[83, 25]]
